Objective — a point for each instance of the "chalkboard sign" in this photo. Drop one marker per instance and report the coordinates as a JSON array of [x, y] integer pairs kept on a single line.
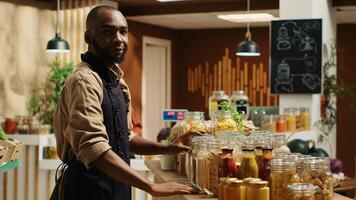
[[296, 49]]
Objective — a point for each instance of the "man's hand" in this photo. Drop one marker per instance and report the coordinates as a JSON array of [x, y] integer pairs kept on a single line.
[[177, 148], [168, 189], [184, 139]]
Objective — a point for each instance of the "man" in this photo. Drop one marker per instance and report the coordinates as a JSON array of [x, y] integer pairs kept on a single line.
[[92, 120]]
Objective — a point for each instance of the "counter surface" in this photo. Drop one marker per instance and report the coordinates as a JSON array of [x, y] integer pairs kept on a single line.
[[172, 176]]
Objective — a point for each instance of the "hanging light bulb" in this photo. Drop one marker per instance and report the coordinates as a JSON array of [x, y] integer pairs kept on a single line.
[[57, 44], [248, 47]]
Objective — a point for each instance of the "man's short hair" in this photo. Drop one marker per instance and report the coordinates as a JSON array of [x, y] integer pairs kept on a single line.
[[92, 15]]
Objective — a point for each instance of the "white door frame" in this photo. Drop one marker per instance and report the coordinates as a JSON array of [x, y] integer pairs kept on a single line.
[[146, 40]]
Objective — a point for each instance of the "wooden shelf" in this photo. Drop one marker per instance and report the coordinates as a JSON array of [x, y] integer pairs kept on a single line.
[[9, 166]]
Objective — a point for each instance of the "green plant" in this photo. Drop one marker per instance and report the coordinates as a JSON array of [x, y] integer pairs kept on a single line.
[[332, 88], [43, 102], [238, 118]]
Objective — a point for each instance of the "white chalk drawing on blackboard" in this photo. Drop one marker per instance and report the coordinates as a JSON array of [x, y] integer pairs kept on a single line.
[[283, 39], [300, 38], [311, 26], [312, 81], [284, 80], [307, 44]]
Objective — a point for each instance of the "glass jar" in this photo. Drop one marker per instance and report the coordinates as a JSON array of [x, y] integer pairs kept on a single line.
[[249, 167], [193, 121], [283, 173], [264, 164], [291, 119], [258, 142], [10, 126], [222, 183], [279, 144], [213, 164], [301, 191], [281, 125], [268, 123], [258, 190], [19, 119], [224, 122], [305, 118], [192, 159], [215, 102], [23, 129], [228, 166], [239, 102], [201, 166], [234, 190], [40, 129], [317, 172]]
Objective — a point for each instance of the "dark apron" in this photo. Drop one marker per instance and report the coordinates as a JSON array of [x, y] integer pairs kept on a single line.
[[93, 184]]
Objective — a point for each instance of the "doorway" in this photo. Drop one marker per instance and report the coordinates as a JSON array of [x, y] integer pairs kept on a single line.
[[156, 84]]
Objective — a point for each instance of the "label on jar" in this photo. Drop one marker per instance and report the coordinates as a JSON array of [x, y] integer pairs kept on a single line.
[[241, 106], [216, 105]]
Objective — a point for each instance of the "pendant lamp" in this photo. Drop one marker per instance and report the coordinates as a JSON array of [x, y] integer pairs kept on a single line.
[[57, 44], [248, 47]]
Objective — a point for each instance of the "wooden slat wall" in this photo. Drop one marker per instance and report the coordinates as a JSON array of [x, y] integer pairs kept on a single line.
[[229, 76]]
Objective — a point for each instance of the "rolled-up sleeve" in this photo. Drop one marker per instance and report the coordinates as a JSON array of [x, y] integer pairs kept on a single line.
[[86, 131]]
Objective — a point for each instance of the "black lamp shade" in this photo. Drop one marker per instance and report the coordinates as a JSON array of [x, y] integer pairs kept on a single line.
[[57, 45], [248, 48]]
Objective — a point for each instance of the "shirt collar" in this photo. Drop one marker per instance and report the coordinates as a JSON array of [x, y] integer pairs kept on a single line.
[[115, 68]]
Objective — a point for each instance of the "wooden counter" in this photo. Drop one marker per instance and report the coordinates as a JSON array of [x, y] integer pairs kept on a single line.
[[172, 176]]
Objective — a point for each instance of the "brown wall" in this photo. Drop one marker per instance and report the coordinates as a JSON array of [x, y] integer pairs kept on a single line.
[[196, 47], [133, 63], [346, 70]]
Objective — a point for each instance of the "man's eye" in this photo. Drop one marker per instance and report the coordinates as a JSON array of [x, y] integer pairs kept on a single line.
[[123, 32], [108, 32]]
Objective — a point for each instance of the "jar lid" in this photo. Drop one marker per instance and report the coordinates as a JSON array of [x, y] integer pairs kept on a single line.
[[259, 183], [250, 179], [233, 181], [238, 92], [219, 93], [223, 179], [306, 188]]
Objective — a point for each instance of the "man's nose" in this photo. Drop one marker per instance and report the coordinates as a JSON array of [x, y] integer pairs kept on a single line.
[[119, 37]]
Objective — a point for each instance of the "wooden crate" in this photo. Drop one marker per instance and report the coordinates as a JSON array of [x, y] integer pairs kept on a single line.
[[3, 152]]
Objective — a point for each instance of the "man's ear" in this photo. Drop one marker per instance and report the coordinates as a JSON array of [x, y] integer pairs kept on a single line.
[[87, 37]]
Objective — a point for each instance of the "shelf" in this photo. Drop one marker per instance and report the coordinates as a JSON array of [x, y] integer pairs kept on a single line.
[[8, 166]]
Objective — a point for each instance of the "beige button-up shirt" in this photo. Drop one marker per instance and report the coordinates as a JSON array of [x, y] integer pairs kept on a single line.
[[78, 118]]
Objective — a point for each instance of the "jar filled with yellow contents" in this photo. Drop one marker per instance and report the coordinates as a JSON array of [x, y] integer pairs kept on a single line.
[[215, 101], [234, 190], [283, 173], [301, 191], [305, 118], [291, 119], [249, 167], [224, 122], [258, 190]]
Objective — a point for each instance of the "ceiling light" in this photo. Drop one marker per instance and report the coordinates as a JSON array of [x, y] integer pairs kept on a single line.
[[248, 47], [57, 44], [251, 17]]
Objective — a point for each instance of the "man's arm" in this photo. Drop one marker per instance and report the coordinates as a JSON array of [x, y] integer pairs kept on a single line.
[[113, 166], [141, 146]]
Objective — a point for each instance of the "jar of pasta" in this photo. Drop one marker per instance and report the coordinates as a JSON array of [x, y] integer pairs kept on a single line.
[[283, 173], [193, 121], [201, 166], [317, 172], [305, 118], [301, 191], [215, 102], [213, 165], [224, 122]]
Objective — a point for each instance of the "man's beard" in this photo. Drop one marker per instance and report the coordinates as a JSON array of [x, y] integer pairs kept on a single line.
[[105, 56]]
